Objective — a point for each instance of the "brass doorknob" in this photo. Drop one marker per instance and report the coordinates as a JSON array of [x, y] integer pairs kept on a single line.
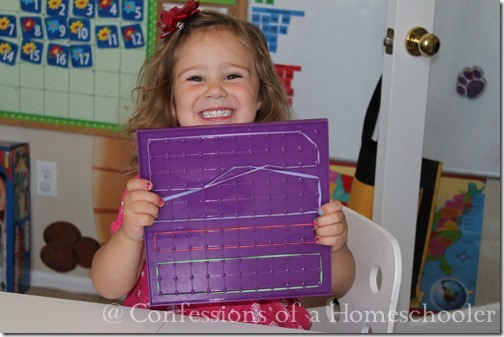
[[420, 42]]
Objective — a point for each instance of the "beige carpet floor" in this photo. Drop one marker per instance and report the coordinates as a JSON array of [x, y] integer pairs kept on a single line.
[[39, 291]]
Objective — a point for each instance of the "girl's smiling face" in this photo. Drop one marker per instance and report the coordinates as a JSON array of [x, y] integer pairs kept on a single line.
[[215, 81]]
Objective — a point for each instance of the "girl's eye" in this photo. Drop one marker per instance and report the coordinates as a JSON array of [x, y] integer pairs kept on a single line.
[[195, 79], [233, 76]]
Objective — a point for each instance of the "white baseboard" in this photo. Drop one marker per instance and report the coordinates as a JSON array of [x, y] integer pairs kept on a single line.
[[52, 280]]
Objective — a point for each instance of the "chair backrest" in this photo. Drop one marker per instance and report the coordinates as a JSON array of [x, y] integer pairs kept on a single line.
[[371, 303]]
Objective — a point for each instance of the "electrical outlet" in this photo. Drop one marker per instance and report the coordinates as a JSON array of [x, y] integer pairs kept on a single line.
[[47, 182]]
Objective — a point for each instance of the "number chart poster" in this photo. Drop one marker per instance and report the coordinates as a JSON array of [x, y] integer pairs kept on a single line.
[[72, 62]]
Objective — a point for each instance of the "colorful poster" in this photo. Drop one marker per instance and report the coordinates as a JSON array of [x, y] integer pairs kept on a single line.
[[340, 180], [450, 270], [448, 280]]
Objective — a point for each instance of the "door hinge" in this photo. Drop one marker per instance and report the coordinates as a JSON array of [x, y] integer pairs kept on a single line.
[[388, 41]]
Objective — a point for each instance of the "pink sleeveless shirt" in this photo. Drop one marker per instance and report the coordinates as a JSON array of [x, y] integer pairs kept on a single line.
[[282, 312]]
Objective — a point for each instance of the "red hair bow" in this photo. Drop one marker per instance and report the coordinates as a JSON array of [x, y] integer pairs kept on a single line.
[[173, 19]]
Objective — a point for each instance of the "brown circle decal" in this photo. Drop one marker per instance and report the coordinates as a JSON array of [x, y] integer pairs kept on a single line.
[[66, 247], [62, 231], [85, 249], [59, 256]]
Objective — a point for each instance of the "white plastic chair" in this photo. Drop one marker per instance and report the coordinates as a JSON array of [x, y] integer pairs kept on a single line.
[[370, 306]]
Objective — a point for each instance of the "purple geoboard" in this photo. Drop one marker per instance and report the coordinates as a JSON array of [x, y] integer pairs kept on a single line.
[[237, 223]]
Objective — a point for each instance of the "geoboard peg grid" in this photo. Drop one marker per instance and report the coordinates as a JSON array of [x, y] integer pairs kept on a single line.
[[240, 200]]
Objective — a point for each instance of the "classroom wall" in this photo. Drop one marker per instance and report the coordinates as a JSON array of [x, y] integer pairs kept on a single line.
[[73, 155]]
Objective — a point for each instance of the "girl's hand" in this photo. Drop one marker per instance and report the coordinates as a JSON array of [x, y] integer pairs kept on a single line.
[[141, 208], [330, 227]]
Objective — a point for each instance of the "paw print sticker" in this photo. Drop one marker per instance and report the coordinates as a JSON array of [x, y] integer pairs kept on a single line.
[[471, 82]]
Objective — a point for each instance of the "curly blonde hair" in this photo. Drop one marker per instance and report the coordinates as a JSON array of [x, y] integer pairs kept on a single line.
[[154, 100]]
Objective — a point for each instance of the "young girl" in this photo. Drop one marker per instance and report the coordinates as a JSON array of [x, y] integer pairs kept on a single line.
[[209, 69]]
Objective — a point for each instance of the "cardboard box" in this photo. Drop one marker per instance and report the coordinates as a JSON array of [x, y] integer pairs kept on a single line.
[[14, 216]]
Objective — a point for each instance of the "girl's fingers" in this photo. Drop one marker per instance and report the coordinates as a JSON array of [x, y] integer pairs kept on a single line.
[[332, 230], [334, 235], [336, 242], [142, 196], [331, 207], [139, 190], [142, 207], [138, 184], [330, 226], [329, 219]]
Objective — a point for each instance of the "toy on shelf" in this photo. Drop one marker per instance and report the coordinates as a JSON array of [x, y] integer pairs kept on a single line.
[[237, 223], [15, 217]]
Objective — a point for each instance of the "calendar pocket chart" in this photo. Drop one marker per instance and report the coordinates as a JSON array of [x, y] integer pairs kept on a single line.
[[237, 222], [72, 63]]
